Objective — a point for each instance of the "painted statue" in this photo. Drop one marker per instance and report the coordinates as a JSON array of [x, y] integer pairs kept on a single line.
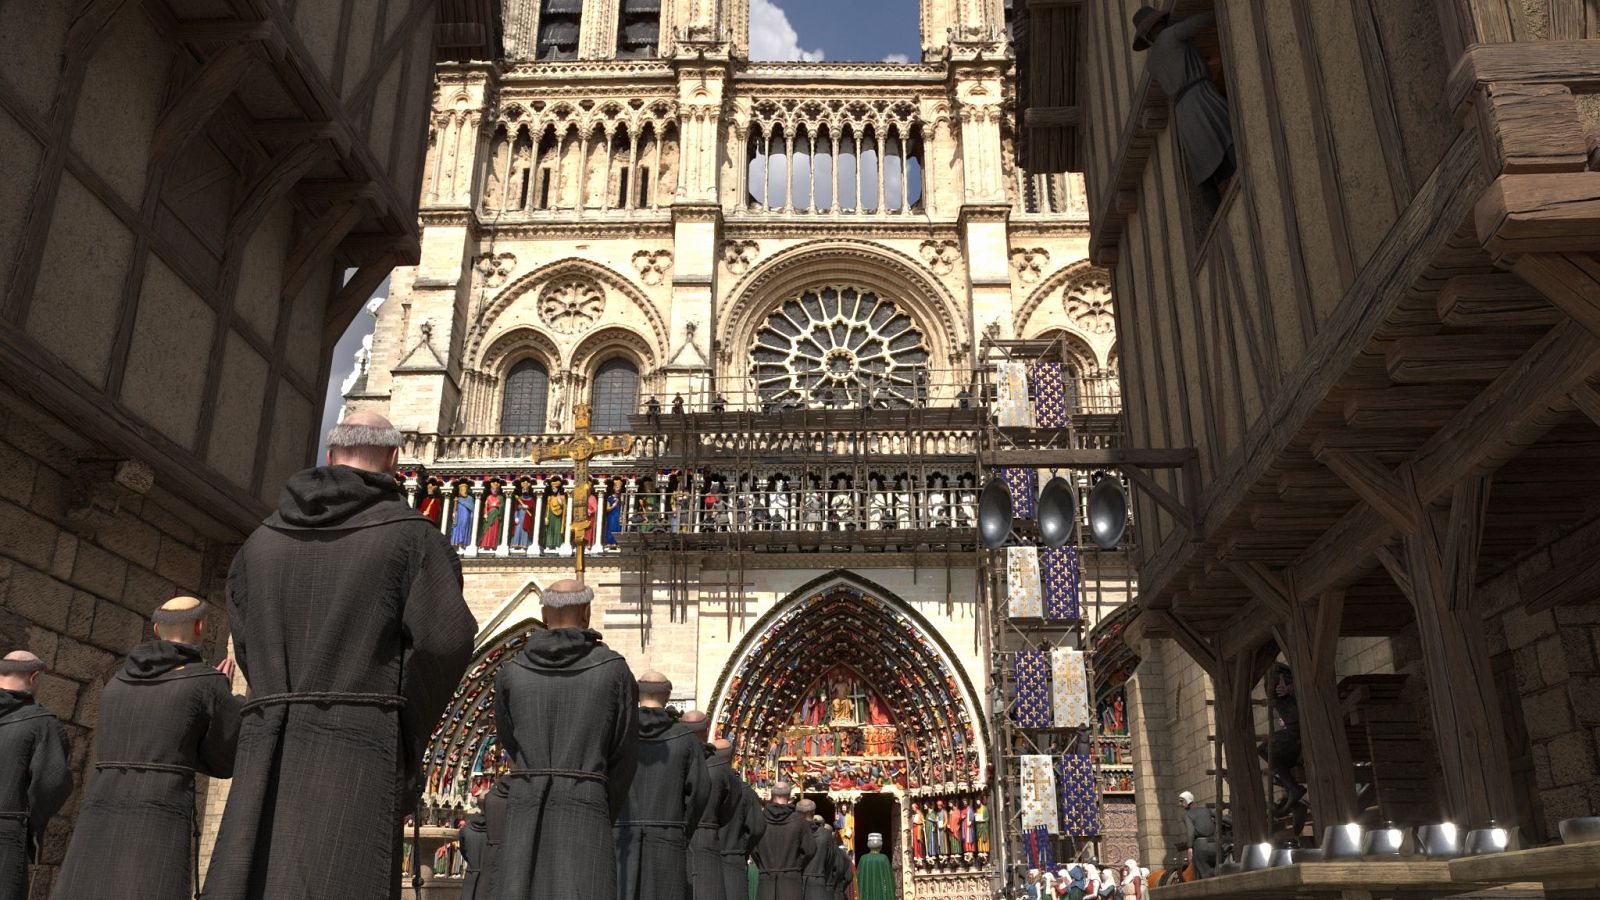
[[981, 817], [555, 514], [432, 503], [461, 521], [648, 514], [493, 513], [593, 504], [969, 832], [524, 510], [919, 846], [613, 520], [779, 505]]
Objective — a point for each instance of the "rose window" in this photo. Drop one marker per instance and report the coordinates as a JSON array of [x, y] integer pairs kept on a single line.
[[571, 306], [839, 346]]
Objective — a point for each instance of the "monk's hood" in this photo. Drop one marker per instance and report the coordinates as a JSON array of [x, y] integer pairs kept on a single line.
[[655, 723], [565, 650], [153, 659], [11, 701], [779, 813], [339, 498], [479, 824]]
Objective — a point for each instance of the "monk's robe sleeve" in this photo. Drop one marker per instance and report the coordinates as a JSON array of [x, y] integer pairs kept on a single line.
[[237, 605], [755, 820], [49, 775], [697, 792], [221, 740], [437, 629], [623, 758], [504, 729]]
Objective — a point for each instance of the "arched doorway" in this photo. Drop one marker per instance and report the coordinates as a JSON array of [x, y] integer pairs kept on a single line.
[[850, 695]]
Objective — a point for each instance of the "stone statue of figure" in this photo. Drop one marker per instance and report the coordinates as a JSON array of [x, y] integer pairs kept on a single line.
[[967, 508], [841, 710], [905, 504], [878, 505], [555, 514], [461, 521], [812, 508], [778, 503], [938, 508], [1199, 110], [842, 506]]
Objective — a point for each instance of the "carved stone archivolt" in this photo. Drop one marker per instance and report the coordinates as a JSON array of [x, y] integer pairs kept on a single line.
[[571, 305], [941, 256], [572, 268], [653, 266]]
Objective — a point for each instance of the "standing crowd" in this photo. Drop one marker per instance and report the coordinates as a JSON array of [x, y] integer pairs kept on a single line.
[[348, 622]]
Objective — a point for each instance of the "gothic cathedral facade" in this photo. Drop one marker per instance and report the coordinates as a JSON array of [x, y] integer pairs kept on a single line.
[[625, 216]]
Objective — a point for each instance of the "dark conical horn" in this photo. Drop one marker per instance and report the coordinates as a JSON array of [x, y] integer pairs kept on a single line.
[[994, 513], [1058, 511], [1108, 512]]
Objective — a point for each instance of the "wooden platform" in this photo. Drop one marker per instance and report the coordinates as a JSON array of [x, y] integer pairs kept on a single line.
[[1355, 880], [1570, 869]]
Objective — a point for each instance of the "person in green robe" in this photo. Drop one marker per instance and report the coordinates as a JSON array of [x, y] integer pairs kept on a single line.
[[555, 511], [874, 878], [753, 876]]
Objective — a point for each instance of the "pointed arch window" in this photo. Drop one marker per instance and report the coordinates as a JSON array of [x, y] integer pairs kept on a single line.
[[526, 400], [615, 396]]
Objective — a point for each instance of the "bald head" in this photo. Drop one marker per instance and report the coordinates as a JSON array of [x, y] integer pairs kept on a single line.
[[654, 689], [565, 604], [807, 808], [696, 721], [364, 440], [19, 671], [181, 620]]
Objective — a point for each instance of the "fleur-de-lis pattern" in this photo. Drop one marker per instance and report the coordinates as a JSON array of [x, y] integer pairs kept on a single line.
[[1023, 596], [1049, 392], [1032, 673], [1038, 779], [1069, 686], [1080, 799], [1061, 575], [1024, 486]]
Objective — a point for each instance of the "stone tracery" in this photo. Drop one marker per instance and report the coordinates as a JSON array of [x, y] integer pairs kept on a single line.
[[615, 155], [836, 345], [570, 305], [834, 155]]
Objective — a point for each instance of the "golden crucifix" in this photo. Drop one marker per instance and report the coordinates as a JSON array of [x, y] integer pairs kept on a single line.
[[581, 448]]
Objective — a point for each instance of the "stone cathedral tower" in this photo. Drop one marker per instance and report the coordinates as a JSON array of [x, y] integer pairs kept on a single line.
[[625, 211]]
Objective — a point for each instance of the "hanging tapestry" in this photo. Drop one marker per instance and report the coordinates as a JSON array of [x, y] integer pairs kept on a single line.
[[1069, 688], [1080, 798], [1038, 792], [1049, 395], [1032, 674], [1011, 408], [1040, 854], [1058, 569], [1023, 598], [1024, 485]]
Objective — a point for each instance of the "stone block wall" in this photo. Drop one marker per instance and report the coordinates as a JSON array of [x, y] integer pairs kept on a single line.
[[82, 565]]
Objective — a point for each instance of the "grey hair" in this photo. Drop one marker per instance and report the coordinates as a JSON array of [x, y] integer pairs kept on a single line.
[[350, 436]]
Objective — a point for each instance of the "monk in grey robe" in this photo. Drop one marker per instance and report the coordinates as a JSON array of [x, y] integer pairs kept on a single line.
[[1199, 111], [722, 805], [164, 717], [819, 872], [784, 849], [35, 778], [664, 805], [844, 871], [349, 625], [487, 831], [564, 710], [738, 838]]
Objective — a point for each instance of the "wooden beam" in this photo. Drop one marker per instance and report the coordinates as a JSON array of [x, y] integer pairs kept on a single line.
[[1373, 482], [1266, 586], [1053, 117], [1233, 682], [1530, 128], [1192, 643], [1577, 581], [1393, 561], [200, 99], [1108, 457], [1309, 637], [1540, 213], [1570, 281], [1500, 300], [314, 250], [1182, 511], [1587, 399], [1451, 358], [348, 302], [1408, 407], [1575, 64], [270, 185]]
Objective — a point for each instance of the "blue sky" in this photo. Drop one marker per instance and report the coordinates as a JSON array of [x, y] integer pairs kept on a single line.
[[841, 30]]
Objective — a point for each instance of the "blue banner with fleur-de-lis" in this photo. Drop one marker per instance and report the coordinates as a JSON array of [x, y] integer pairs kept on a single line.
[[1034, 706], [1024, 486], [1049, 392], [1080, 796], [1062, 576]]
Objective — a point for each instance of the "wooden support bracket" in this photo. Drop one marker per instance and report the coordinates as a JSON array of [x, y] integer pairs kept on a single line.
[[201, 98], [1373, 482]]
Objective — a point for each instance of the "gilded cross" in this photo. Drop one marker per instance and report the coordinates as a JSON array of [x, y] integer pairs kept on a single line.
[[580, 448]]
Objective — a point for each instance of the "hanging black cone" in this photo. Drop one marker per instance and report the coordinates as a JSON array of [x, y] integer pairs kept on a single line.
[[1058, 511], [994, 513], [1108, 512]]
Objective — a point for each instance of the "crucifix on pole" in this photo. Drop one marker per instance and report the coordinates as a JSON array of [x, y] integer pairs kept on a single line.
[[580, 448]]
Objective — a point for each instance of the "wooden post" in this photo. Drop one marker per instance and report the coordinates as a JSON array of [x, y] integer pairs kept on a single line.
[[1311, 639], [1233, 681]]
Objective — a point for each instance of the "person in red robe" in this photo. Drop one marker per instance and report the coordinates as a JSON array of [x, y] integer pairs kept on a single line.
[[432, 503], [493, 512]]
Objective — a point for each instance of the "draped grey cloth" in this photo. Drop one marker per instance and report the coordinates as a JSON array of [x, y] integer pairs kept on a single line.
[[1200, 112], [739, 837], [348, 623], [821, 869], [164, 717], [706, 879], [664, 806], [565, 712], [35, 780]]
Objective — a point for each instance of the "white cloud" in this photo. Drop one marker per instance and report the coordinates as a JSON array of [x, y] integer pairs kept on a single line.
[[772, 38], [899, 58]]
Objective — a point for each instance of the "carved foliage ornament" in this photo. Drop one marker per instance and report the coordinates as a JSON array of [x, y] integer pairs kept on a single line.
[[571, 305], [1030, 262], [941, 256], [653, 267], [495, 268], [739, 256], [1088, 302]]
